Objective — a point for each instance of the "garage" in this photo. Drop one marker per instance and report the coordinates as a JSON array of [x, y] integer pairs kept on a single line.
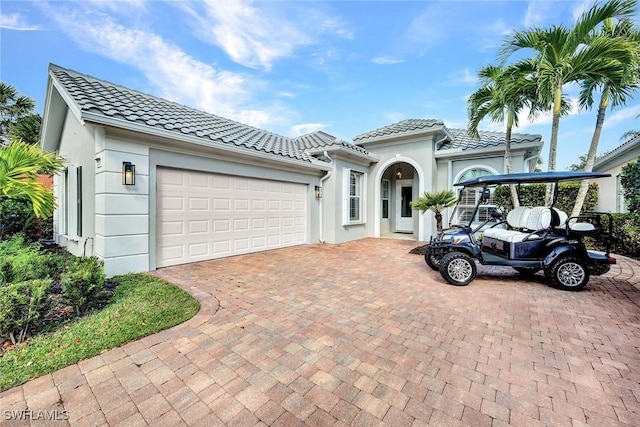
[[203, 216]]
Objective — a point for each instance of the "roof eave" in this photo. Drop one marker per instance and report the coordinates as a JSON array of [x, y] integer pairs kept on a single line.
[[134, 127], [345, 152], [403, 135], [618, 152], [459, 152]]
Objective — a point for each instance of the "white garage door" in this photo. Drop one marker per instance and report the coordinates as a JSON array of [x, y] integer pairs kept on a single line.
[[204, 216]]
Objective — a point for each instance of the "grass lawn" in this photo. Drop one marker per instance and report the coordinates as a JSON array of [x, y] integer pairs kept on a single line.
[[142, 304]]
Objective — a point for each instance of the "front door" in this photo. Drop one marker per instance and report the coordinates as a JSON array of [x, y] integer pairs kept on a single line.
[[404, 213]]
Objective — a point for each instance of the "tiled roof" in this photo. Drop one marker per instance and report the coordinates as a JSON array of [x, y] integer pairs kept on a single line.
[[397, 129], [621, 149], [112, 101], [321, 139], [463, 141]]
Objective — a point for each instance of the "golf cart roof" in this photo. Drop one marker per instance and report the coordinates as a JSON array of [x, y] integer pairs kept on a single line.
[[529, 178]]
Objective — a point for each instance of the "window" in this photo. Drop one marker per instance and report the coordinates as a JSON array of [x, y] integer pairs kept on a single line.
[[71, 206], [469, 199], [355, 192], [384, 196], [621, 205]]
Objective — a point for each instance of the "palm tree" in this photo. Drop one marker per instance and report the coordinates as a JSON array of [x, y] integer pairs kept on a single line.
[[614, 90], [504, 93], [563, 56], [26, 129], [20, 163], [436, 202], [12, 107]]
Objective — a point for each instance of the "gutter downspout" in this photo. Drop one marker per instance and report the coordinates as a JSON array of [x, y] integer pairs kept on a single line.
[[322, 180]]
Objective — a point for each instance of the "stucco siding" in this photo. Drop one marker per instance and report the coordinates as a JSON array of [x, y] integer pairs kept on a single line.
[[122, 211], [76, 147]]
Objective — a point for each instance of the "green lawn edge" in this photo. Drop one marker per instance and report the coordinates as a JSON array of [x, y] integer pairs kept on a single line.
[[141, 305]]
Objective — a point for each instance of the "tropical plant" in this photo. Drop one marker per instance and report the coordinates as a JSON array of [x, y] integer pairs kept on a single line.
[[26, 129], [563, 55], [22, 306], [20, 163], [630, 181], [503, 94], [13, 107], [436, 202], [83, 283], [615, 88]]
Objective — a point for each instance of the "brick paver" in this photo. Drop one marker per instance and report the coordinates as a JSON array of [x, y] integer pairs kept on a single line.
[[363, 333]]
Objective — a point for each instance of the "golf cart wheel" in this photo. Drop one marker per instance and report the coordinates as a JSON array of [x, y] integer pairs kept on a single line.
[[526, 271], [432, 259], [568, 273], [457, 268]]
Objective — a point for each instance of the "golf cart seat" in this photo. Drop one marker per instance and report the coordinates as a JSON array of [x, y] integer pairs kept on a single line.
[[566, 225], [525, 223]]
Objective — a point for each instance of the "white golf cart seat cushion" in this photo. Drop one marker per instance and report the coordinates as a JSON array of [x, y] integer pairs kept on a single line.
[[576, 226], [527, 219], [517, 217]]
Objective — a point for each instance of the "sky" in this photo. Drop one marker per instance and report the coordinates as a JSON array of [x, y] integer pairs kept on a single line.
[[294, 67]]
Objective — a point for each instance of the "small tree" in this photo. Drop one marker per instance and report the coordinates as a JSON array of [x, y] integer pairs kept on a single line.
[[630, 181], [436, 202]]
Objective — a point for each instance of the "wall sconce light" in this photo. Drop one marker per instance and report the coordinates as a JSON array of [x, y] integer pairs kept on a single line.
[[128, 173], [399, 173], [318, 192]]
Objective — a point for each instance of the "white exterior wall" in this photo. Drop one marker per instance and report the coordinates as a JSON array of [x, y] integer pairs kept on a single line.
[[122, 211], [76, 147], [419, 154]]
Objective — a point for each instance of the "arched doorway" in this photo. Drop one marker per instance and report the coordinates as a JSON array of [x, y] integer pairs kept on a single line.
[[399, 181]]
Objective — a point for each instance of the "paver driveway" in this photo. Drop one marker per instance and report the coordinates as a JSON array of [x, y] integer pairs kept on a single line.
[[364, 333]]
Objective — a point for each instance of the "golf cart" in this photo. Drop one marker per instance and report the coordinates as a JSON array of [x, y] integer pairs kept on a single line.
[[528, 239]]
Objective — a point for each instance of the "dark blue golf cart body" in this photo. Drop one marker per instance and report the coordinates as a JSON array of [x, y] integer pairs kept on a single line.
[[529, 239]]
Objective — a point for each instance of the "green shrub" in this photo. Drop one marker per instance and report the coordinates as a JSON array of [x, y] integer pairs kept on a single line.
[[630, 181], [533, 195], [22, 306], [17, 217], [21, 261], [626, 235], [83, 283]]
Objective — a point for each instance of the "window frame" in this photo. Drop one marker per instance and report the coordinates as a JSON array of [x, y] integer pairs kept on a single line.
[[360, 196], [385, 198], [70, 210]]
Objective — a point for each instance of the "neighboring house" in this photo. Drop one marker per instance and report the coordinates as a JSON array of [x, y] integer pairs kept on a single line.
[[208, 187], [610, 191]]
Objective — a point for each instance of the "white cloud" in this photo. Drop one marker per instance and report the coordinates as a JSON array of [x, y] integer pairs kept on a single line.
[[386, 60], [545, 118], [621, 115], [464, 77], [174, 74], [537, 13], [579, 8], [305, 128], [15, 21], [258, 34]]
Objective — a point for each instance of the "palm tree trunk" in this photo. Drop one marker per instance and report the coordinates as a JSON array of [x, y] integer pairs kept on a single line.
[[591, 155], [553, 144], [438, 221], [508, 159]]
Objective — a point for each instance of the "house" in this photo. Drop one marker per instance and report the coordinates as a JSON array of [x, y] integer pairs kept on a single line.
[[150, 183], [610, 191]]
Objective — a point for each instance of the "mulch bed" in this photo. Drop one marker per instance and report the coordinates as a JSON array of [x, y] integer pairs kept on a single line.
[[420, 250]]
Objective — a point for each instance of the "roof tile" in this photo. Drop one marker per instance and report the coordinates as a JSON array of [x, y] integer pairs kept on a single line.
[[103, 98]]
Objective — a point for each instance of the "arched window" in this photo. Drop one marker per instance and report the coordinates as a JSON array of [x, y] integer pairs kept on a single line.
[[470, 197]]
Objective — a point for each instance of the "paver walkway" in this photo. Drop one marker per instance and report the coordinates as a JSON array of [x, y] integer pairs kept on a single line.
[[364, 333]]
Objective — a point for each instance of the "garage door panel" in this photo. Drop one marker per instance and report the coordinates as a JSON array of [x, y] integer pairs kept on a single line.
[[205, 216]]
